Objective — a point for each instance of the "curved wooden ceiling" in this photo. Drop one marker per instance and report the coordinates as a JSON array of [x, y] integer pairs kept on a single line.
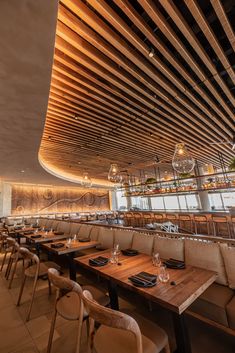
[[132, 78]]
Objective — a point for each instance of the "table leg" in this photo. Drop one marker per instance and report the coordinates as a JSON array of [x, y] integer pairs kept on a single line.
[[113, 295], [181, 334], [72, 266]]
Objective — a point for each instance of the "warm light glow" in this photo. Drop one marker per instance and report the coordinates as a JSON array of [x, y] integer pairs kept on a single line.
[[114, 175], [182, 160]]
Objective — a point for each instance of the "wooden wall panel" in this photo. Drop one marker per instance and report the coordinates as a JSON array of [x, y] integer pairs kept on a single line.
[[35, 199]]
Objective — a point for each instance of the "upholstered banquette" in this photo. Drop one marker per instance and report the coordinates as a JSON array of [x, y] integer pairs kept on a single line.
[[217, 304]]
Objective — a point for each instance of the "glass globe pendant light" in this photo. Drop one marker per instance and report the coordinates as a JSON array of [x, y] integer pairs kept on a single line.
[[182, 160], [114, 174], [86, 180]]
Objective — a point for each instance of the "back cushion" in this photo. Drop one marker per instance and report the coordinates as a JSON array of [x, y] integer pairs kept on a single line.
[[94, 234], [55, 225], [84, 231], [228, 254], [74, 229], [143, 243], [48, 223], [123, 238], [64, 227], [106, 238], [42, 222], [206, 255], [169, 248]]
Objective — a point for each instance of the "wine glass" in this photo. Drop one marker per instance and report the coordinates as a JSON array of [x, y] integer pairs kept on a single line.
[[156, 260], [164, 275]]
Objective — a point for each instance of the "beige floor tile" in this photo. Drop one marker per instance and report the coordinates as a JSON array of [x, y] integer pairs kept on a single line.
[[42, 341], [25, 348]]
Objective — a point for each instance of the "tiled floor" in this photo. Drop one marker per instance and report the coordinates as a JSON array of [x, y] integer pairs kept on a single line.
[[17, 336]]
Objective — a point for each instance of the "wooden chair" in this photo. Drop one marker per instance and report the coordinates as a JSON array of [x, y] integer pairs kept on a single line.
[[217, 222], [68, 303], [128, 219], [138, 219], [172, 218], [158, 218], [121, 332], [201, 225], [8, 250], [185, 222], [233, 227], [147, 218], [33, 269]]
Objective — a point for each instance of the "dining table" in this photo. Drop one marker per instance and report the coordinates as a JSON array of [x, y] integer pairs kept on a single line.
[[69, 248], [184, 286]]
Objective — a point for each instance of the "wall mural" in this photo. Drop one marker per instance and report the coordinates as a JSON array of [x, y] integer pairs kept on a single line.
[[39, 199]]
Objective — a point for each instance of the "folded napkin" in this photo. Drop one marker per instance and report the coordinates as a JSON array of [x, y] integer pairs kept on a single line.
[[18, 227], [99, 261], [36, 236], [84, 240], [173, 263], [28, 232], [57, 245], [144, 279], [47, 229], [130, 252], [36, 226], [59, 233]]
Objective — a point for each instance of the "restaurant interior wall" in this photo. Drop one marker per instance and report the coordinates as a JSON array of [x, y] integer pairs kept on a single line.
[[23, 199]]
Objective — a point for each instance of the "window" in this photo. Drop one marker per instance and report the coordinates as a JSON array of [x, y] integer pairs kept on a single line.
[[171, 202], [157, 203], [228, 199], [140, 202], [216, 201], [192, 201], [121, 201]]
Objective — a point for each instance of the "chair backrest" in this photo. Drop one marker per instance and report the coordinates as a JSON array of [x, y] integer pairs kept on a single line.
[[30, 258], [111, 318], [63, 284]]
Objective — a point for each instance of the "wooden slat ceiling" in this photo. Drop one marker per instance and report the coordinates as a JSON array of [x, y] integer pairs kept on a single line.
[[132, 78]]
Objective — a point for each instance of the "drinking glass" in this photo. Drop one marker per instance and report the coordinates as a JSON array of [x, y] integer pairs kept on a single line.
[[156, 260], [114, 256], [74, 238], [69, 243], [163, 275]]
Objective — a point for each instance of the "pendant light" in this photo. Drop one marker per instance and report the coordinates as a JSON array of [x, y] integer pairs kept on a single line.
[[86, 180], [182, 160], [114, 174]]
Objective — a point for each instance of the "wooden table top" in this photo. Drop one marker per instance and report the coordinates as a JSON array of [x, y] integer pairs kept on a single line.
[[45, 236], [74, 246], [190, 282]]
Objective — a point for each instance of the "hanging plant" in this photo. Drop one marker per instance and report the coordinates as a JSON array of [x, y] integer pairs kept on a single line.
[[232, 164], [185, 175]]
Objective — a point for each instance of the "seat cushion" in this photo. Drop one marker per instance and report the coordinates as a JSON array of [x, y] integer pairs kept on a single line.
[[143, 243], [212, 303], [154, 339], [230, 309], [206, 255], [123, 238], [169, 248], [106, 238], [228, 254]]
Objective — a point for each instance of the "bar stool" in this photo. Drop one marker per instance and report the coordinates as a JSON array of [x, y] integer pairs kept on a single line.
[[158, 218], [233, 227], [147, 218], [201, 223], [184, 221], [219, 222], [138, 220], [128, 219], [172, 218]]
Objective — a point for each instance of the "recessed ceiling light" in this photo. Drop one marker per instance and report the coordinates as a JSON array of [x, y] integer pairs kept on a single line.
[[151, 53], [76, 117], [22, 171]]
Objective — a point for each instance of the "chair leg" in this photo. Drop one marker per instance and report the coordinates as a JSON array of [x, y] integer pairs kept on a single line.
[[166, 349], [51, 331], [21, 290], [32, 298], [3, 261], [80, 321], [9, 266], [13, 273]]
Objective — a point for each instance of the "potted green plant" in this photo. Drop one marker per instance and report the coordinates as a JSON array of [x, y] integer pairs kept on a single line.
[[150, 181], [232, 164]]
